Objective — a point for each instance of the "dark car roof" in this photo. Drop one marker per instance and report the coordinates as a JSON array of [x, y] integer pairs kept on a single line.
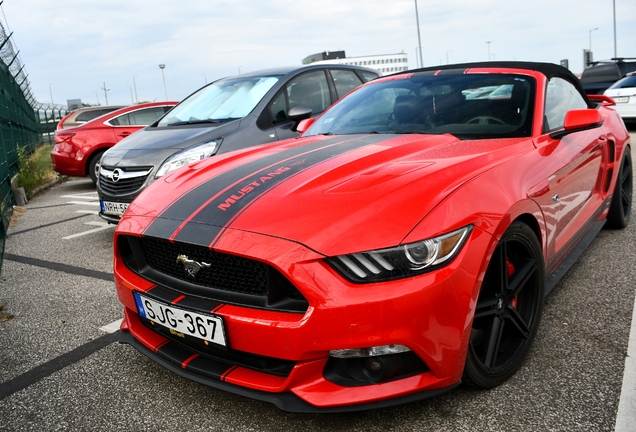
[[602, 74]]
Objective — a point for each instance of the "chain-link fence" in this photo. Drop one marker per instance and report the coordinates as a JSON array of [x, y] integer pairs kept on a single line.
[[23, 124]]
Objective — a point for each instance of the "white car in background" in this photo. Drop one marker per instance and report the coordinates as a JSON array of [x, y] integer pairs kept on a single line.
[[623, 92]]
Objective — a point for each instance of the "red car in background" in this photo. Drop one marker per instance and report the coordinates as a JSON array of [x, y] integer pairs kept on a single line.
[[78, 150]]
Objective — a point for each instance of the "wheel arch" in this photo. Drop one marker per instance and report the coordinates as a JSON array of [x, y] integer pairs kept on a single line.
[[94, 150]]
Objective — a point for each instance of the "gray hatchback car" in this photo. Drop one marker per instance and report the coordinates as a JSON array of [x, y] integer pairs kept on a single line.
[[226, 115]]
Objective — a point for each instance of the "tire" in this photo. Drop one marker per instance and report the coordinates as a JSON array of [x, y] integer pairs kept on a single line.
[[508, 310], [93, 166], [621, 207]]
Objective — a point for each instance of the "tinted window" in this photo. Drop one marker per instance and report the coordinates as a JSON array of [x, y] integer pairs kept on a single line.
[[345, 81], [278, 109], [561, 97], [625, 83], [368, 76], [88, 115], [142, 117], [311, 90]]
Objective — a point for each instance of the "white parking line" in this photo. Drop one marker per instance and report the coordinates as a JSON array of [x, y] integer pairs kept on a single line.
[[112, 327], [93, 212], [88, 195], [626, 416], [102, 226], [95, 203]]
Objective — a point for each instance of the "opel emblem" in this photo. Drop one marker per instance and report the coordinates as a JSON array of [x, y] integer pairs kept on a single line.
[[117, 173], [191, 266]]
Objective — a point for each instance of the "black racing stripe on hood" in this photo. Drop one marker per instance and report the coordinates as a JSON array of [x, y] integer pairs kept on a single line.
[[224, 196], [173, 216], [221, 211]]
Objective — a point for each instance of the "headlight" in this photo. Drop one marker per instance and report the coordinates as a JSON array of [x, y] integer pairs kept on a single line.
[[188, 156], [401, 261]]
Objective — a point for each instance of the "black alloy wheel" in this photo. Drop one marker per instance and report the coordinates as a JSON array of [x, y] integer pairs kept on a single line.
[[508, 309], [621, 208]]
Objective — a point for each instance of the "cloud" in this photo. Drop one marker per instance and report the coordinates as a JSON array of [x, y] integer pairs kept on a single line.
[[78, 46]]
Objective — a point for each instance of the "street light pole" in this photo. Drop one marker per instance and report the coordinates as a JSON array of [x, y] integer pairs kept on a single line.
[[105, 93], [488, 43], [614, 10], [51, 93], [447, 51], [165, 91], [205, 79], [419, 39], [131, 96], [135, 85], [591, 38]]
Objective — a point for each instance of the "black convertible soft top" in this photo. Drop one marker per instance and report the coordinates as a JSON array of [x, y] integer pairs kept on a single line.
[[548, 69]]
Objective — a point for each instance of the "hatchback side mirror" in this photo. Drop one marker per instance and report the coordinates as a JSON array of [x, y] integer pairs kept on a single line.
[[297, 114], [579, 120]]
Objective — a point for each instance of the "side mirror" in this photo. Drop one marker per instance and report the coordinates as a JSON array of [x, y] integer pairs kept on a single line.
[[579, 120], [304, 125], [297, 114]]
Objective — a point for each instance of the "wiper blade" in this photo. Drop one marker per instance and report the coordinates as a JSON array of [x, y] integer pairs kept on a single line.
[[212, 121]]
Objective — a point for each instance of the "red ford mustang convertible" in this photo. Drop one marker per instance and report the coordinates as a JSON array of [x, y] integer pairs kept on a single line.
[[402, 245]]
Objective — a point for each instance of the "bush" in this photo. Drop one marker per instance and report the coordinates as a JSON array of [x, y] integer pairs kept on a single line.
[[36, 169]]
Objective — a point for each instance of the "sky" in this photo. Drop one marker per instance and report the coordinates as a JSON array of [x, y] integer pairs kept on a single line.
[[75, 49]]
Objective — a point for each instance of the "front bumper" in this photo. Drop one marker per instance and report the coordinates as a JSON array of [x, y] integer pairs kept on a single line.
[[431, 314], [286, 401], [110, 218]]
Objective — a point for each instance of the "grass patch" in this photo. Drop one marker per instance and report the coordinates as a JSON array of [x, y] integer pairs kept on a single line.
[[36, 169]]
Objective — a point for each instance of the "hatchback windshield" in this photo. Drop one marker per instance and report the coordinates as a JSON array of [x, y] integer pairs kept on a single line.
[[223, 100], [446, 103]]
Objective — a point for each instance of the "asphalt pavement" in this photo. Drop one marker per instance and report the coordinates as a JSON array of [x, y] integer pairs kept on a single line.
[[61, 367]]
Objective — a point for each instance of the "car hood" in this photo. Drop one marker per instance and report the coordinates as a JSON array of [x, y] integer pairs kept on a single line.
[[334, 195], [152, 145]]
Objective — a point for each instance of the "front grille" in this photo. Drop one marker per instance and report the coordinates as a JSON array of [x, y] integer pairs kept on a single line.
[[124, 186], [229, 278]]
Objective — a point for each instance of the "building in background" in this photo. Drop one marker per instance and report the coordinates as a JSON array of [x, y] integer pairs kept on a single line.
[[386, 64]]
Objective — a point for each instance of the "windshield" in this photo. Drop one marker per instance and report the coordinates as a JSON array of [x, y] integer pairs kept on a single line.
[[469, 106], [223, 100]]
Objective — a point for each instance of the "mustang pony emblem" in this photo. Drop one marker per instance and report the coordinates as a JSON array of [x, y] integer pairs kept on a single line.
[[191, 266]]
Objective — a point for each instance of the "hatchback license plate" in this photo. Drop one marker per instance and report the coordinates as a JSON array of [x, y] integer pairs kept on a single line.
[[201, 326], [113, 208], [621, 99]]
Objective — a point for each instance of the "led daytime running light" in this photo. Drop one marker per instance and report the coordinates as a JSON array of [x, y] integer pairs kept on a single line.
[[369, 352]]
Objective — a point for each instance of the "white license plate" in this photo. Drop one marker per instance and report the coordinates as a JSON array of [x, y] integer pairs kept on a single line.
[[113, 208], [621, 99], [180, 321]]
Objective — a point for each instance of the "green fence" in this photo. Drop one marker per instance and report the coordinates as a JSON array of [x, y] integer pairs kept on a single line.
[[20, 126]]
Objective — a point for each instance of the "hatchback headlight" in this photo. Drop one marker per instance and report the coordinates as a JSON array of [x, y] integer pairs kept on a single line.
[[188, 156], [401, 261]]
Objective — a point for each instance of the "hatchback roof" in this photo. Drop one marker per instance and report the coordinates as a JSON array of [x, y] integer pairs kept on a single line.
[[284, 70]]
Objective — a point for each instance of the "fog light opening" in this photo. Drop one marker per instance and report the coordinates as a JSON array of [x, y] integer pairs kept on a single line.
[[369, 352], [355, 367]]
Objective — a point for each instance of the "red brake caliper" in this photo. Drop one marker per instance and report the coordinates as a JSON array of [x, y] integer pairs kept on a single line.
[[511, 271]]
